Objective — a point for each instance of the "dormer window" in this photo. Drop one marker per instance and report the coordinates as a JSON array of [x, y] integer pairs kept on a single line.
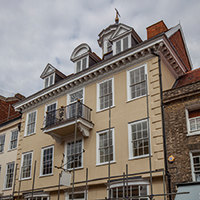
[[81, 65], [122, 45], [48, 81], [51, 75], [83, 57]]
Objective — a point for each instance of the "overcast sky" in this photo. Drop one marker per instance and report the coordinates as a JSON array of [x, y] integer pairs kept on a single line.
[[34, 33]]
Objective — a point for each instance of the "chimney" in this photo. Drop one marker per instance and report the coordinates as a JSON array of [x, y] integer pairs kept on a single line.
[[156, 29]]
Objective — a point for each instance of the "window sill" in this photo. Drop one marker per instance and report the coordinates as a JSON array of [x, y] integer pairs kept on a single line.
[[193, 133], [24, 179], [105, 109], [5, 189], [140, 157], [129, 100], [71, 169], [106, 163], [45, 175], [12, 149], [29, 135]]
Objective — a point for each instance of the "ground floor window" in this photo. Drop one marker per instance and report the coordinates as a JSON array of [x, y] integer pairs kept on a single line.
[[133, 191], [77, 195], [38, 196], [195, 161]]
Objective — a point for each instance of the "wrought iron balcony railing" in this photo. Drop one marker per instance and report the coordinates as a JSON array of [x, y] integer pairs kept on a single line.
[[67, 113]]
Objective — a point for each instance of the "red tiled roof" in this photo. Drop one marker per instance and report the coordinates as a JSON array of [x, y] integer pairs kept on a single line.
[[7, 111], [189, 77]]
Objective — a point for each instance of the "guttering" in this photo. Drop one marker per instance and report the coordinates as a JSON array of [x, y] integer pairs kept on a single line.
[[163, 123]]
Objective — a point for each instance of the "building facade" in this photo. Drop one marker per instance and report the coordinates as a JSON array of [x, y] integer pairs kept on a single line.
[[10, 122], [182, 132], [104, 122]]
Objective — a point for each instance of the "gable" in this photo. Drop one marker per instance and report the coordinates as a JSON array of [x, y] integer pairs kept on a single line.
[[121, 30], [49, 69]]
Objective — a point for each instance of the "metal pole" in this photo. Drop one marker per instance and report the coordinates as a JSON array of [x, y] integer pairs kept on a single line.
[[33, 180], [149, 140], [19, 183], [126, 181], [123, 185], [86, 188], [109, 144], [59, 186], [14, 181], [74, 149], [164, 184]]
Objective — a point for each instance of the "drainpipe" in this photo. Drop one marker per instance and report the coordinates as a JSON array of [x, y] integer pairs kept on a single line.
[[163, 124]]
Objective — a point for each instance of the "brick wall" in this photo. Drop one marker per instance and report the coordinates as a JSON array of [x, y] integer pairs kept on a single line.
[[177, 42], [178, 143], [156, 29]]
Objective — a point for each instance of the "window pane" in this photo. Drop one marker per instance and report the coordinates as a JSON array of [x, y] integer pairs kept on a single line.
[[105, 96], [84, 61], [13, 141], [31, 123], [140, 143], [125, 43], [77, 158], [78, 66], [47, 161], [137, 82], [104, 147], [2, 141], [9, 175], [26, 165], [118, 46]]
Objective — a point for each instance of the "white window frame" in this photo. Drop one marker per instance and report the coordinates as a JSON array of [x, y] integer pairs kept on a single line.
[[122, 44], [3, 135], [136, 182], [75, 91], [191, 132], [192, 164], [5, 180], [81, 63], [37, 196], [26, 127], [76, 192], [41, 162], [48, 78], [97, 145], [70, 141], [130, 139], [98, 94], [129, 82], [13, 140], [45, 111], [22, 159]]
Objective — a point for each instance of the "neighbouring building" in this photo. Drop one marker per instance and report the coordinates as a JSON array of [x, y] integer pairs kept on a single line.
[[182, 122], [104, 122], [10, 122]]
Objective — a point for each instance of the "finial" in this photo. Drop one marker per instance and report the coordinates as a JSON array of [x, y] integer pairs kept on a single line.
[[117, 16]]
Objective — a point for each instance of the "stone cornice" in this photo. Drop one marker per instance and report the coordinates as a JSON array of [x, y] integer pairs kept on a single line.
[[160, 45]]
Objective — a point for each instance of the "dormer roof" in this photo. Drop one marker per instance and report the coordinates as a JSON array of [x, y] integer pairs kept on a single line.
[[80, 51], [50, 69]]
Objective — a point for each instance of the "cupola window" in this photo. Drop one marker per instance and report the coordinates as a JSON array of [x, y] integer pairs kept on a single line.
[[122, 45]]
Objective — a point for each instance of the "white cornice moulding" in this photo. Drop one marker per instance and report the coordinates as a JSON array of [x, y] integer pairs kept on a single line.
[[160, 44]]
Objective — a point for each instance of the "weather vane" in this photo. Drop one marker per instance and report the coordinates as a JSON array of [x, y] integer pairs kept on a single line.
[[117, 16]]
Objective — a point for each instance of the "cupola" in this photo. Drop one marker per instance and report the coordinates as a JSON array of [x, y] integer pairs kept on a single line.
[[117, 38]]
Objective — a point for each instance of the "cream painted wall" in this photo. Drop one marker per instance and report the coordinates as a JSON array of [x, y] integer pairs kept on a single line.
[[122, 113], [8, 155]]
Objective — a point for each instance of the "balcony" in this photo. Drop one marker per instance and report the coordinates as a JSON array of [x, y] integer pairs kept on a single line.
[[60, 123]]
